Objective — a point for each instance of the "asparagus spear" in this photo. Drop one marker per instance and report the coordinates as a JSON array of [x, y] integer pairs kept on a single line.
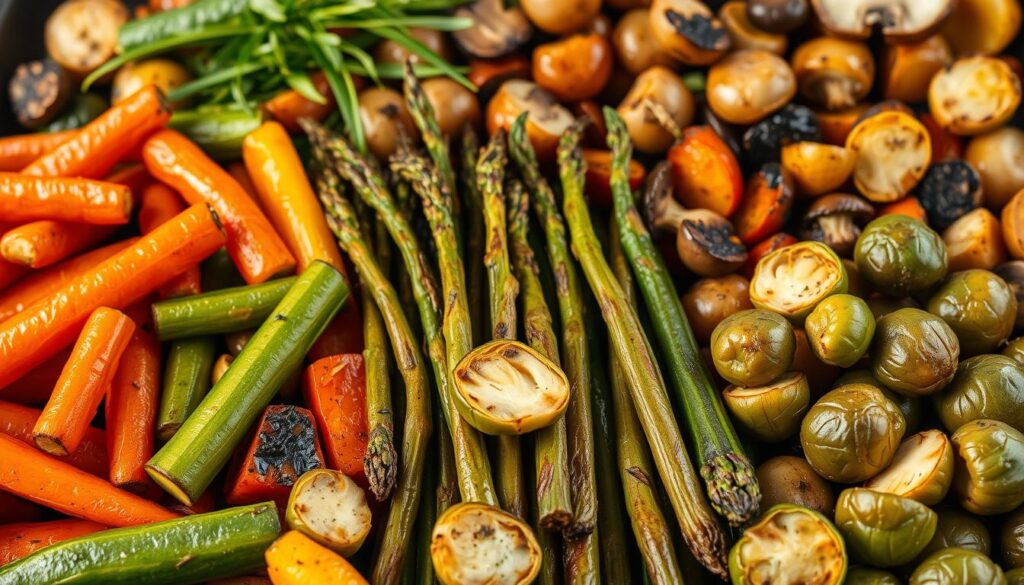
[[384, 302], [727, 473], [475, 233], [636, 470], [700, 530], [581, 546]]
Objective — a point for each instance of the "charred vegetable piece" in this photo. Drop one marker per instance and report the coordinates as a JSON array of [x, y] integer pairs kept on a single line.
[[998, 156], [752, 348], [892, 151], [985, 386], [979, 306], [957, 565], [921, 469], [688, 31], [763, 142], [661, 86], [989, 476], [330, 508], [840, 329], [975, 240], [883, 530], [765, 205], [778, 16], [477, 544], [949, 189], [791, 281], [833, 73], [914, 353], [38, 91], [497, 30], [706, 175], [789, 545], [547, 119], [900, 256], [770, 412], [791, 480]]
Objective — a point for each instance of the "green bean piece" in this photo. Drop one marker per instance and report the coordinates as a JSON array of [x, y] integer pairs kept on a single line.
[[219, 311], [186, 382]]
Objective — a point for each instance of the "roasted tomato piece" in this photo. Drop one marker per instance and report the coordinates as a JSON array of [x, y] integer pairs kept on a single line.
[[766, 203], [770, 244], [705, 172], [599, 172]]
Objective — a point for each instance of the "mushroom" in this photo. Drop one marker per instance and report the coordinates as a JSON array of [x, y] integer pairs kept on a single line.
[[39, 90], [778, 16], [474, 543], [892, 151], [975, 240], [635, 46], [899, 20], [747, 35], [836, 220], [384, 117], [454, 105], [688, 31], [705, 241], [746, 86], [817, 168], [81, 35], [389, 51], [974, 95], [330, 508], [497, 30], [950, 189], [993, 24], [665, 88], [547, 118], [574, 68], [833, 73], [559, 18]]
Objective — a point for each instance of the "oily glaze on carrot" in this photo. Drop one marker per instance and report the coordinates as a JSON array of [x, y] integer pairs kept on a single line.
[[296, 559], [15, 509], [289, 105], [26, 198], [41, 243], [102, 143], [91, 456], [35, 334], [49, 481], [24, 538], [335, 390], [11, 272], [131, 407], [159, 205], [83, 382], [255, 247], [17, 152]]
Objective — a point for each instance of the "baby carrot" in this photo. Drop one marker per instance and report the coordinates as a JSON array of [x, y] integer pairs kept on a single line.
[[102, 143], [45, 242], [159, 205], [241, 174], [131, 412], [91, 456], [17, 152], [84, 380], [289, 105], [27, 198], [22, 539], [11, 272], [30, 337], [46, 480], [296, 559], [255, 247], [134, 176]]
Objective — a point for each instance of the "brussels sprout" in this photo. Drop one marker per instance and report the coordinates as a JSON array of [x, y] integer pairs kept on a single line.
[[957, 566], [752, 347], [793, 280], [914, 352], [1015, 577], [771, 412], [1011, 539], [789, 545], [921, 469], [477, 543], [851, 433], [989, 468], [980, 308], [985, 386], [900, 256], [866, 576], [883, 530], [840, 329], [910, 407], [957, 529], [1015, 350], [330, 508], [790, 480], [508, 388]]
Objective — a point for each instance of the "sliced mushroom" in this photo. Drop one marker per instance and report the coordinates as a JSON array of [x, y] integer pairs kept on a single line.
[[836, 221], [746, 86], [688, 31], [39, 90], [899, 20], [892, 151], [763, 141], [974, 95], [975, 240], [547, 118], [81, 35], [746, 35], [330, 508], [497, 30], [477, 544], [949, 189], [817, 168], [833, 73], [665, 88]]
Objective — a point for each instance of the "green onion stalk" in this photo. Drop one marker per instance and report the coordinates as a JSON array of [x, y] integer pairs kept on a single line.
[[727, 473], [643, 377]]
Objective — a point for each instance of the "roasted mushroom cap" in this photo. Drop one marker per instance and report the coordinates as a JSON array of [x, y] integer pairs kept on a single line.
[[663, 87], [547, 118], [746, 35], [688, 31], [833, 73], [477, 544], [899, 20], [921, 469], [497, 30], [746, 86], [662, 212], [789, 545], [777, 16], [817, 168], [974, 95], [707, 243], [507, 388], [836, 221], [893, 150], [790, 480], [792, 280], [330, 508]]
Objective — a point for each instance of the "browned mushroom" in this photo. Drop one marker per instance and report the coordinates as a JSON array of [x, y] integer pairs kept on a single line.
[[745, 34], [389, 51], [688, 31], [892, 151], [39, 90], [496, 30], [836, 220], [777, 16], [991, 26], [899, 20], [635, 45], [974, 95], [833, 73], [746, 86]]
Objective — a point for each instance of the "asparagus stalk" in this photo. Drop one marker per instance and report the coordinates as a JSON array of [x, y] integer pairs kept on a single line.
[[417, 426], [186, 382], [727, 473], [696, 519], [475, 232], [219, 311], [636, 470]]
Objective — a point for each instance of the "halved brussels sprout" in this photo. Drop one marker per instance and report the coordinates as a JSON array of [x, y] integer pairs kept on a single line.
[[477, 544], [985, 386], [789, 545], [914, 352], [866, 576], [852, 433], [752, 347], [791, 281], [921, 469], [330, 508], [957, 566], [790, 480], [840, 329], [980, 308], [507, 388], [900, 256], [957, 529], [771, 412], [989, 476], [883, 530]]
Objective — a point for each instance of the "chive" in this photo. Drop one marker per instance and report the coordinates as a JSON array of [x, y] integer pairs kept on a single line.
[[186, 382], [221, 311]]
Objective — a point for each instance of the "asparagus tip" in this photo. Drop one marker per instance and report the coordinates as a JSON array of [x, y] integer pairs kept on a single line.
[[380, 462], [732, 487]]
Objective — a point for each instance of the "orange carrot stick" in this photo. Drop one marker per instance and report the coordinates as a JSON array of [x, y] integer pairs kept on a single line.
[[26, 198], [22, 539], [30, 337], [45, 242], [289, 105], [36, 385], [46, 480], [102, 143], [131, 408], [91, 456], [296, 559], [255, 247], [15, 509], [335, 391], [159, 205], [17, 152], [241, 174], [11, 272], [86, 376]]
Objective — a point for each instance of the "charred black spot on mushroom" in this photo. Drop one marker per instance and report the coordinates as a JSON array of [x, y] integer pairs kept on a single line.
[[286, 439], [701, 30], [720, 241], [763, 142], [949, 189], [389, 110]]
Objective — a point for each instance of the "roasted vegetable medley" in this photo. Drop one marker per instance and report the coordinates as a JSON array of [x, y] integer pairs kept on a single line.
[[498, 292]]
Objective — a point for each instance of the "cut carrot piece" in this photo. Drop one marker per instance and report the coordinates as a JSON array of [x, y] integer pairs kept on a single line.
[[26, 198], [102, 143], [46, 480], [22, 539], [37, 333], [241, 174], [11, 272], [159, 205], [296, 559], [335, 391], [86, 376], [255, 247], [131, 407], [17, 152], [45, 242], [15, 509], [91, 456], [289, 106]]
